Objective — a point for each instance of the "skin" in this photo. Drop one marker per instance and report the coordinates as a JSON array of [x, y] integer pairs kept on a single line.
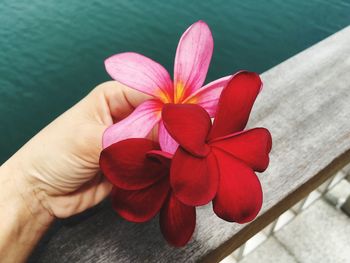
[[56, 174]]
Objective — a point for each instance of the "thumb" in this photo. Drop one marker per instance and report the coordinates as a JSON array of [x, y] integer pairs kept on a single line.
[[113, 101]]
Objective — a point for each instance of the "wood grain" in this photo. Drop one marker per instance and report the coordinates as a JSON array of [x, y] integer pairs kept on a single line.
[[306, 105]]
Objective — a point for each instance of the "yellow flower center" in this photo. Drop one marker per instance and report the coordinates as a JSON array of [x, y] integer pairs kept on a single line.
[[179, 92], [164, 97], [179, 95]]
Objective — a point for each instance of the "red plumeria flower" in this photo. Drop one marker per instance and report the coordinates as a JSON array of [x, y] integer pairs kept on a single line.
[[192, 59], [139, 172], [217, 162]]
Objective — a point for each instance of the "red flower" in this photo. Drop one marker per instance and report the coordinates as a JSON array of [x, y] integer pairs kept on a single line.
[[139, 172], [217, 162], [214, 162]]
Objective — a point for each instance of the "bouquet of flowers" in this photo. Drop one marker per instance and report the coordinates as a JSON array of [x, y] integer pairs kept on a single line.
[[195, 160]]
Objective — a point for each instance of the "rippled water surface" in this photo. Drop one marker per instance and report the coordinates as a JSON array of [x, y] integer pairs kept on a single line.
[[52, 52]]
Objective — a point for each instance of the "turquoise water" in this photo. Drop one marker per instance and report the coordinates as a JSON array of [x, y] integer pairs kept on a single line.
[[52, 52]]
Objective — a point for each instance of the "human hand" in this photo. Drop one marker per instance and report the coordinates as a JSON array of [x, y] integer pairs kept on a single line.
[[60, 165]]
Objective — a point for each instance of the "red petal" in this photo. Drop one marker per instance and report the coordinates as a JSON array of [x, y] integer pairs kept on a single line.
[[235, 104], [125, 164], [189, 125], [194, 180], [140, 205], [239, 196], [252, 147], [162, 157], [177, 221]]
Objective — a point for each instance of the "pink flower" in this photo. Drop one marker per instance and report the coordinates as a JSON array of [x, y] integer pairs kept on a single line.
[[192, 60]]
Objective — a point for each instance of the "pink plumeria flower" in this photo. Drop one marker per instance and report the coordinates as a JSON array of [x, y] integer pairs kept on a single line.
[[192, 60]]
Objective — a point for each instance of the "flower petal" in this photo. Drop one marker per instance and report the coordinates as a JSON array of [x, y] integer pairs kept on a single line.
[[161, 157], [126, 165], [137, 125], [140, 205], [189, 125], [235, 104], [194, 180], [208, 96], [239, 196], [252, 147], [167, 143], [192, 60], [177, 221], [141, 73]]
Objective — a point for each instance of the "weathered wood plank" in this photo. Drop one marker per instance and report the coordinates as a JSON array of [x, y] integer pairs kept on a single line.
[[306, 105]]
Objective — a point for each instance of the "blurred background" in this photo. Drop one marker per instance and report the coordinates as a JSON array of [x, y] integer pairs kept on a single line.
[[52, 52]]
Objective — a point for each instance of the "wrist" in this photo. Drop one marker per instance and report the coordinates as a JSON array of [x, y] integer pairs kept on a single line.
[[24, 194], [21, 225]]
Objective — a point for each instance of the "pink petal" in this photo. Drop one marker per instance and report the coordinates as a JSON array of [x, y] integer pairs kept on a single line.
[[167, 143], [141, 73], [137, 125], [177, 221], [208, 96], [192, 60]]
